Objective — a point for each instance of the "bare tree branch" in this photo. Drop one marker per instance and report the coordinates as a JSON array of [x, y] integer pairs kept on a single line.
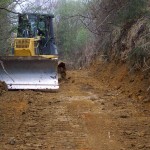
[[1, 8]]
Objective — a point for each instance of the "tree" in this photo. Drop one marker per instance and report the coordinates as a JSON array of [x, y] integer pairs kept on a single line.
[[5, 27], [71, 33]]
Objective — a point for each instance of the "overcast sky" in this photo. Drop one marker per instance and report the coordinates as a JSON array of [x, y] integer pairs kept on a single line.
[[30, 3]]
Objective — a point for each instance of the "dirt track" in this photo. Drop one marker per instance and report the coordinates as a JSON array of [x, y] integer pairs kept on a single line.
[[84, 115]]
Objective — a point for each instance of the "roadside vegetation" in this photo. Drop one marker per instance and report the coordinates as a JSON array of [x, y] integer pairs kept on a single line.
[[86, 30]]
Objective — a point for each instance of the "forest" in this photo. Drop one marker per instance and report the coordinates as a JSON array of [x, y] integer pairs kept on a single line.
[[85, 29]]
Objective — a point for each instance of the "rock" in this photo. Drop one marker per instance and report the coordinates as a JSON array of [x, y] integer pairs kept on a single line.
[[39, 93], [108, 94], [73, 81], [23, 113], [58, 101], [141, 146], [29, 102], [118, 87], [132, 145], [115, 104], [29, 144], [147, 100], [141, 134], [148, 146], [132, 80], [53, 147], [128, 132], [130, 95], [122, 91], [124, 116], [50, 103], [28, 134], [102, 103], [93, 98], [39, 146], [140, 91], [145, 110], [69, 78], [12, 141], [140, 97], [55, 102]]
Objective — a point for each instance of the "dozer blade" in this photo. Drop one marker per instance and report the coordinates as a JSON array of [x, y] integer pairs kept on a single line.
[[29, 72]]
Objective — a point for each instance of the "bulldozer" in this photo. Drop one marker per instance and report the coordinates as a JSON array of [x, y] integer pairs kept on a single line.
[[33, 63]]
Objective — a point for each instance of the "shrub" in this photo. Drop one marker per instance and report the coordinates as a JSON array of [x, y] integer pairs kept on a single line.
[[132, 10], [136, 57]]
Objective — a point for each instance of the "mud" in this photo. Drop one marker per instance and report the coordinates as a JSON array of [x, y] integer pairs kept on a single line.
[[85, 114]]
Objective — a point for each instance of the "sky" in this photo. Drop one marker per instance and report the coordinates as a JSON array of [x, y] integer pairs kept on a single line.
[[23, 6]]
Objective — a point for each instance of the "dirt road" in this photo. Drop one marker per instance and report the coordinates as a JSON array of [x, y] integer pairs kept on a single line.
[[84, 115]]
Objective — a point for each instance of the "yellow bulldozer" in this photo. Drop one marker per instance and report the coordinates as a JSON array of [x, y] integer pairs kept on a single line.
[[34, 60]]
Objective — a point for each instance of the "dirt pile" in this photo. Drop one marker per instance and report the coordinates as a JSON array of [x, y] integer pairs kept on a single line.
[[3, 87], [118, 77]]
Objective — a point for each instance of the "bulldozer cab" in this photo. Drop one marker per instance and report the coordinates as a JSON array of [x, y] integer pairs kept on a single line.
[[38, 26]]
